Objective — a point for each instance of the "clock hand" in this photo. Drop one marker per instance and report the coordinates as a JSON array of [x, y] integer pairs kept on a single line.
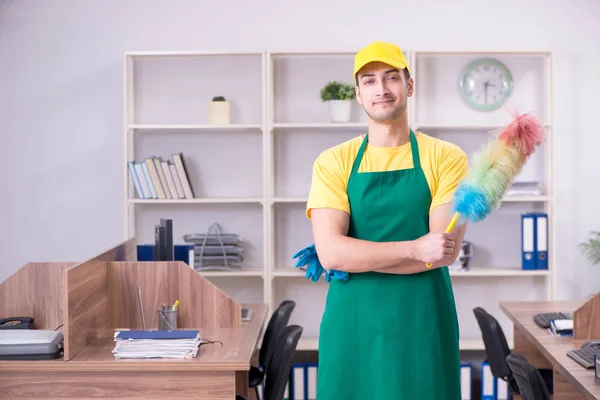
[[486, 87]]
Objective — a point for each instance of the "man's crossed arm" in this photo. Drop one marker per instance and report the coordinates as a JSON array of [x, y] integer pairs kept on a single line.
[[339, 252]]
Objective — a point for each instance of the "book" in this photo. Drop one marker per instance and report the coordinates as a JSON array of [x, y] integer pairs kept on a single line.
[[158, 335]]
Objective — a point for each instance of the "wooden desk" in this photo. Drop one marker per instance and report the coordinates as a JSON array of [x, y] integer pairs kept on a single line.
[[93, 298], [218, 373], [571, 380]]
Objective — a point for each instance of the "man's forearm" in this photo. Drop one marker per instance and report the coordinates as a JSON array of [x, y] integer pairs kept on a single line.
[[343, 253], [410, 267], [415, 266]]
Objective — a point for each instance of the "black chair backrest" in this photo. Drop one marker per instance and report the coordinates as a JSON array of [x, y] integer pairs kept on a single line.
[[530, 382], [496, 346], [278, 321], [278, 373]]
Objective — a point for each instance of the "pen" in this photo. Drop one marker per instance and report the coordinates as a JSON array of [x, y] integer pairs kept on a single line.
[[175, 305]]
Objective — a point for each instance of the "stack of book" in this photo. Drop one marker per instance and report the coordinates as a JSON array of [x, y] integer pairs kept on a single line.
[[155, 178], [157, 344]]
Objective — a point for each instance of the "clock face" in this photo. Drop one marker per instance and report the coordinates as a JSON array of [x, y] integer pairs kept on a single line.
[[486, 84]]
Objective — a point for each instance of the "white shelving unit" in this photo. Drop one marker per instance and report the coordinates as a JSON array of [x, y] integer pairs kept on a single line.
[[253, 176]]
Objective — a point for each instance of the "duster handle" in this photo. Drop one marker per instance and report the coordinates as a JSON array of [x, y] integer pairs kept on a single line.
[[448, 229]]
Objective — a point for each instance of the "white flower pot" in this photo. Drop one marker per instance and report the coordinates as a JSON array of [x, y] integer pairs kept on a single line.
[[219, 113], [339, 110]]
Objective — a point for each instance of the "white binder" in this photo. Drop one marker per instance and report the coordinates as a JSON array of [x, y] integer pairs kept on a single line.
[[465, 380]]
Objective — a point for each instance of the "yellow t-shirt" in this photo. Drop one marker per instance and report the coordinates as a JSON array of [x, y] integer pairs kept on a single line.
[[444, 165]]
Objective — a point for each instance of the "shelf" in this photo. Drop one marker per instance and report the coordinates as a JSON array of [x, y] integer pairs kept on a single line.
[[480, 53], [363, 125], [438, 101], [497, 272], [472, 273], [423, 126], [289, 199], [526, 199], [477, 344], [312, 344], [288, 272], [192, 127], [308, 344], [507, 199], [321, 125], [244, 272], [216, 200], [190, 53], [264, 161]]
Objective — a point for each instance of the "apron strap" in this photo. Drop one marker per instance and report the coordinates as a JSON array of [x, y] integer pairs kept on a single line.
[[414, 147], [359, 155]]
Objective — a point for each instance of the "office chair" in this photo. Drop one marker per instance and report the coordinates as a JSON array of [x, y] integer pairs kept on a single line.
[[278, 372], [530, 382], [496, 348], [279, 320]]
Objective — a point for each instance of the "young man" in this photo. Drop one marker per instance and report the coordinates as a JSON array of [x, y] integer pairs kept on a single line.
[[379, 205]]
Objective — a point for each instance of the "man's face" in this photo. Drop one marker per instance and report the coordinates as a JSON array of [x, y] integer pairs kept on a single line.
[[383, 91]]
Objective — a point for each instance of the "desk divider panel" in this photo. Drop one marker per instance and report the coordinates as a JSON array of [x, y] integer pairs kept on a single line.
[[202, 304], [86, 298], [586, 320], [35, 290]]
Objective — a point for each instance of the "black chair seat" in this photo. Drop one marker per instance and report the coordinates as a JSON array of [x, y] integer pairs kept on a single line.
[[278, 373], [529, 380], [255, 376]]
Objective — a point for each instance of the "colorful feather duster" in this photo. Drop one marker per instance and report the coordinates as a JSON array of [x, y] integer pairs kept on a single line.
[[494, 169]]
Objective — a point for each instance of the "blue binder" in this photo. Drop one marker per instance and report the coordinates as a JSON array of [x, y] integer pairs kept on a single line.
[[528, 242], [298, 382], [489, 388]]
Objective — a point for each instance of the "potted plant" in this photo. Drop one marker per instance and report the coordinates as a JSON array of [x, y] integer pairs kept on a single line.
[[219, 111], [591, 251], [591, 248], [339, 96]]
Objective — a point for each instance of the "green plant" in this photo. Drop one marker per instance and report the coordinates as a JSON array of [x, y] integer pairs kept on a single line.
[[337, 90], [218, 98], [591, 248]]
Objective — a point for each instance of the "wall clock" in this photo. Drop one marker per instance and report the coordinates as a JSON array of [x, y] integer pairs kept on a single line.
[[485, 84]]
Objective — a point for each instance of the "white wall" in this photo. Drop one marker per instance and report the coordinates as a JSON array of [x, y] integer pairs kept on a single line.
[[61, 98]]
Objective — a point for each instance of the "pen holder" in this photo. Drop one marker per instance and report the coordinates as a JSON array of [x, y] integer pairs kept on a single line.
[[167, 320]]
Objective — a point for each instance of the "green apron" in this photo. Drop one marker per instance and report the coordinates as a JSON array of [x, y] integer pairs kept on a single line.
[[389, 336]]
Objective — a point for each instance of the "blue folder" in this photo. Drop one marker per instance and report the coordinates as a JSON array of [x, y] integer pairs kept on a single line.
[[158, 335]]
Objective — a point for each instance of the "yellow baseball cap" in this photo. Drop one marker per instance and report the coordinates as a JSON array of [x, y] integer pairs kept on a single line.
[[380, 51]]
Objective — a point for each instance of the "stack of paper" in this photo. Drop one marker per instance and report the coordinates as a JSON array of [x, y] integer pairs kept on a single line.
[[524, 189], [157, 344], [561, 327]]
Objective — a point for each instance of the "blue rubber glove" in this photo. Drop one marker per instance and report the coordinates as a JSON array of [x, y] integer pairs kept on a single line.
[[308, 256], [333, 274]]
